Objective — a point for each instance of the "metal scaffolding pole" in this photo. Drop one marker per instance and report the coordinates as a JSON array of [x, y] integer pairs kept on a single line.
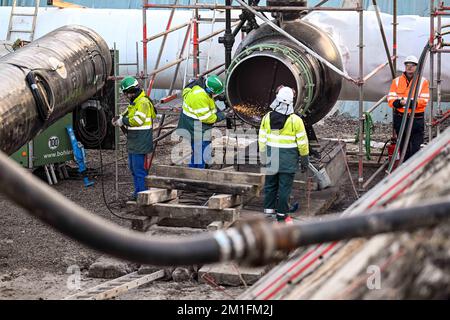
[[439, 75], [383, 36], [144, 38], [361, 94]]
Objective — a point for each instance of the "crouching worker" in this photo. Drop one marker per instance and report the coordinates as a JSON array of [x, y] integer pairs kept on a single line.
[[282, 142], [198, 116], [137, 119]]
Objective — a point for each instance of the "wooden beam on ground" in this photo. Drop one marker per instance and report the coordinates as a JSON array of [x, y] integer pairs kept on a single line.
[[218, 186], [209, 175], [178, 215], [221, 201], [155, 195]]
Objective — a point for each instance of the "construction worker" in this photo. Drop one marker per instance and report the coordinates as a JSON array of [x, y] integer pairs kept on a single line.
[[137, 119], [397, 97], [282, 140], [198, 115]]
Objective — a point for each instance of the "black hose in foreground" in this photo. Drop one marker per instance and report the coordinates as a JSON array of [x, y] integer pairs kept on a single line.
[[74, 221], [366, 225]]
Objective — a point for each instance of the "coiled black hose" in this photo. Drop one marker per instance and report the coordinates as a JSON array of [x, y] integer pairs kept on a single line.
[[45, 103], [91, 132]]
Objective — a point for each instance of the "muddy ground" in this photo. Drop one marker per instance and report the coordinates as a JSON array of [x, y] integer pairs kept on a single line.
[[34, 259]]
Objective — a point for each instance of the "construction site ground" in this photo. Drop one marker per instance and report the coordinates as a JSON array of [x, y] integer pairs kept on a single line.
[[35, 259]]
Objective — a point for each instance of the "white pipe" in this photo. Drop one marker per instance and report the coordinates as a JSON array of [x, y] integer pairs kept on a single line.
[[124, 26]]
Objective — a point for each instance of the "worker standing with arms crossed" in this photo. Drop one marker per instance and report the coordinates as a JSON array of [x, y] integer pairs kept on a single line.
[[198, 116], [283, 142], [137, 119], [397, 97]]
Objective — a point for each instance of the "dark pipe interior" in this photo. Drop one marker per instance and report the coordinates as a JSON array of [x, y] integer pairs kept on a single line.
[[253, 83]]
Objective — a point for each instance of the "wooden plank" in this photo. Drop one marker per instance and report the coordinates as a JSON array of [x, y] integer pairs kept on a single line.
[[142, 223], [221, 201], [113, 288], [230, 274], [209, 175], [218, 186], [155, 195], [180, 211]]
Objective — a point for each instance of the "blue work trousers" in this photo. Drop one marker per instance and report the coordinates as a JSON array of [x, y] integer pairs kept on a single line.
[[136, 165]]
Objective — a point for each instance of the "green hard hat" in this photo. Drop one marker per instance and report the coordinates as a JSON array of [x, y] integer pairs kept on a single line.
[[128, 82], [214, 84]]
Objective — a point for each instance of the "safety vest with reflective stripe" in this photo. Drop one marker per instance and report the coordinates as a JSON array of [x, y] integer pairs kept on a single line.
[[140, 113], [400, 89], [198, 105], [138, 120], [292, 135]]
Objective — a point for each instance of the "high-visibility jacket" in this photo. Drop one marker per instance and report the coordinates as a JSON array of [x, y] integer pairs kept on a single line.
[[400, 89], [198, 105], [290, 141], [138, 120]]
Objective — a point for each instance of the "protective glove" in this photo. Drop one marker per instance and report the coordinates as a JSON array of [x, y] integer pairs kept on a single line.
[[397, 104], [221, 97], [117, 121], [304, 163], [220, 116]]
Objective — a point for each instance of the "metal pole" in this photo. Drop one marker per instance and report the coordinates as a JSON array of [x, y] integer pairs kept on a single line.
[[228, 39], [195, 49], [116, 129], [144, 38], [361, 95], [383, 36], [439, 79], [394, 48], [377, 104], [243, 7], [287, 35], [161, 49], [432, 55]]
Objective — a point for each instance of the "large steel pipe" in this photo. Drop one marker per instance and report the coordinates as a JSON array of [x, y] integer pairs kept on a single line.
[[266, 60], [69, 65]]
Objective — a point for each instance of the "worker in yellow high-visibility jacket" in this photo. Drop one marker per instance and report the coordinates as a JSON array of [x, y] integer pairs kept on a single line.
[[138, 119], [198, 116], [283, 141]]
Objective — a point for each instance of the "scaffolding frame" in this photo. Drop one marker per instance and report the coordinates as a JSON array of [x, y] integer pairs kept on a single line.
[[391, 57]]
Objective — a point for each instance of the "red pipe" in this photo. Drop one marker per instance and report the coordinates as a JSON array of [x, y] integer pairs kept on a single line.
[[196, 66]]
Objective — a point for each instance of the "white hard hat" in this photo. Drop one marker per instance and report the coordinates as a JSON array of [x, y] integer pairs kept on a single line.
[[285, 95], [411, 59]]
